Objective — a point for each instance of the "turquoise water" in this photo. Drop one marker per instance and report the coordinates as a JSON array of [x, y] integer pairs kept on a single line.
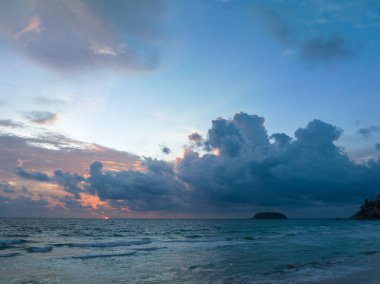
[[185, 251]]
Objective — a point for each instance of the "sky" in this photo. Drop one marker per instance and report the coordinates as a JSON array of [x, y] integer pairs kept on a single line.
[[188, 109]]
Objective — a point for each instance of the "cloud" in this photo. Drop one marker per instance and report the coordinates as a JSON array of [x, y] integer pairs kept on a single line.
[[76, 35], [53, 151], [69, 182], [34, 26], [306, 172], [156, 190], [33, 175], [31, 161], [313, 32], [249, 170], [23, 206], [367, 132], [41, 117], [10, 123], [195, 139], [46, 101], [6, 187], [324, 49], [165, 150], [274, 23]]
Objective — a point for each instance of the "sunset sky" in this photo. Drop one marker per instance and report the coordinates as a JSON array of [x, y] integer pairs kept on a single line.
[[176, 109]]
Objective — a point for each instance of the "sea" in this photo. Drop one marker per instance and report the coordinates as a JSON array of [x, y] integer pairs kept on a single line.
[[188, 251]]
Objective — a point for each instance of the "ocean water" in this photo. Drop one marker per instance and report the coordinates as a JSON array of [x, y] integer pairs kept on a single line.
[[185, 251]]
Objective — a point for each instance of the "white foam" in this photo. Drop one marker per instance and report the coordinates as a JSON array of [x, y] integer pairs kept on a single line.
[[110, 244], [104, 255]]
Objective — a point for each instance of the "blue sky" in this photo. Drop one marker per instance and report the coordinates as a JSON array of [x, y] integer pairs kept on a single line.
[[137, 76]]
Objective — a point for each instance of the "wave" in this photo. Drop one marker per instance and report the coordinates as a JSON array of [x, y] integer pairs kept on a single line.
[[104, 255], [193, 236], [6, 243], [16, 235], [40, 249], [370, 252], [109, 244], [149, 249], [9, 254]]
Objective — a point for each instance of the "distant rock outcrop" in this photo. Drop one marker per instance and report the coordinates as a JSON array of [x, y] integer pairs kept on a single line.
[[370, 210], [269, 215]]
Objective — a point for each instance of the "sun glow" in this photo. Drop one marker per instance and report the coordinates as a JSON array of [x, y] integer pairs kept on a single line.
[[216, 151]]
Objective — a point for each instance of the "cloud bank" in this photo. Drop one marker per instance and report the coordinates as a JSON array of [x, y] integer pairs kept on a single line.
[[236, 168]]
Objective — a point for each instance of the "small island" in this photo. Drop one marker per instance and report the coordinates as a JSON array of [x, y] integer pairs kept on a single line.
[[370, 210], [269, 215]]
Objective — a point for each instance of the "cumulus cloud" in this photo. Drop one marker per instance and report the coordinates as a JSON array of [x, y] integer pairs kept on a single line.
[[367, 132], [74, 35], [41, 117], [155, 190], [69, 182], [250, 170]]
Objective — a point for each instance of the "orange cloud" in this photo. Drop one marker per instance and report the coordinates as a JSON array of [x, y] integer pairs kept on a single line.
[[34, 26]]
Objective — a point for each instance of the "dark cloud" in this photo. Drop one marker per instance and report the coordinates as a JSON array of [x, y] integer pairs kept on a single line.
[[243, 169], [325, 49], [307, 171], [303, 31], [377, 146], [23, 206], [241, 133], [48, 151], [32, 175], [195, 139], [165, 150], [274, 23], [74, 35], [69, 182], [6, 187], [10, 123], [157, 189], [367, 132], [41, 117]]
